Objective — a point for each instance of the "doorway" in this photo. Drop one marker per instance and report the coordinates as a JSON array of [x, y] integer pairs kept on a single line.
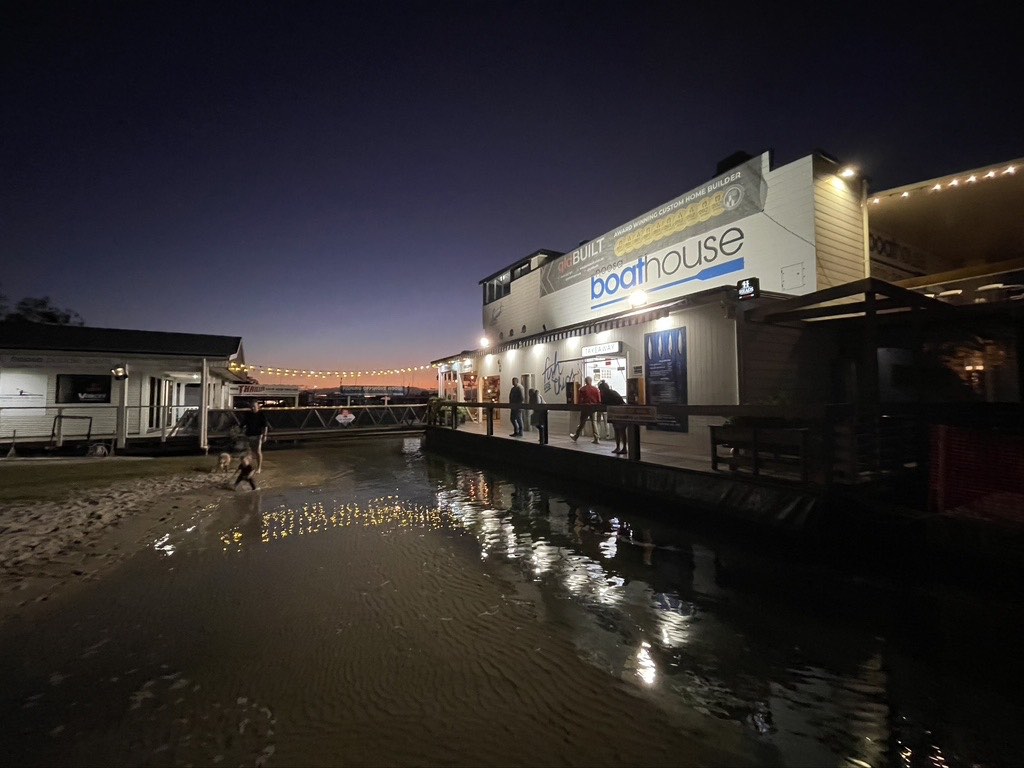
[[492, 393]]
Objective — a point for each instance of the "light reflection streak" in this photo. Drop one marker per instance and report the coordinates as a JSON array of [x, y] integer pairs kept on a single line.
[[544, 557], [511, 545], [645, 667], [610, 546], [674, 628], [163, 545]]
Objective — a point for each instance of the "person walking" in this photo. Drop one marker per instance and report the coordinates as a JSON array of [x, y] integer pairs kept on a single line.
[[589, 396], [256, 432], [610, 397], [515, 411], [538, 419]]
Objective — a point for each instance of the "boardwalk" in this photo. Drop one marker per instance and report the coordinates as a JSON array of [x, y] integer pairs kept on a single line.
[[664, 454]]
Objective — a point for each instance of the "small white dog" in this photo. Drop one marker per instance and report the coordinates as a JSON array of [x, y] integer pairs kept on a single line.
[[224, 462]]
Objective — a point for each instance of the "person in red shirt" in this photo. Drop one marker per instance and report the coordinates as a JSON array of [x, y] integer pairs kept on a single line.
[[589, 395]]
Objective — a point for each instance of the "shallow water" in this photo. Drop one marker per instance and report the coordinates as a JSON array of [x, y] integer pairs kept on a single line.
[[415, 611]]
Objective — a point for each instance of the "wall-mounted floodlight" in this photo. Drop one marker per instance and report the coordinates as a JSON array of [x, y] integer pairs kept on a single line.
[[120, 372], [484, 341], [848, 172], [637, 299]]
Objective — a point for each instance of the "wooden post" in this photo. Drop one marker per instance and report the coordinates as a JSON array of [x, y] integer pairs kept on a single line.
[[204, 406], [633, 442], [122, 415]]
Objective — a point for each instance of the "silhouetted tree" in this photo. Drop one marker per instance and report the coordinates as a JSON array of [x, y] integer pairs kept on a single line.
[[33, 310]]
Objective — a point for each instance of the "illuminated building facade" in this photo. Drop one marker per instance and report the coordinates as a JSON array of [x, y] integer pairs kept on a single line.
[[674, 306]]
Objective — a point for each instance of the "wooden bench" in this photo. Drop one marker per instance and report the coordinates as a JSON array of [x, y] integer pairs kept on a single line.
[[772, 449]]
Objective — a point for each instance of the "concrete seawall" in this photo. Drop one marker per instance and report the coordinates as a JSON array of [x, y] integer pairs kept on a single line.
[[729, 499]]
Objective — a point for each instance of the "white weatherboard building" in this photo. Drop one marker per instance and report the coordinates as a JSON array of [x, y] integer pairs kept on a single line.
[[650, 305], [69, 383]]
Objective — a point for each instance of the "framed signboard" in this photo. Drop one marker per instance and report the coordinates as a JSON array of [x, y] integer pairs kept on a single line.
[[665, 368]]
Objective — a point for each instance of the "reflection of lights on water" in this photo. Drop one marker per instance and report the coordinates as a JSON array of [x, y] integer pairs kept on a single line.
[[490, 529], [575, 581], [645, 668], [511, 545], [610, 592], [587, 578], [163, 545], [389, 511], [610, 546], [907, 757], [544, 557], [674, 628]]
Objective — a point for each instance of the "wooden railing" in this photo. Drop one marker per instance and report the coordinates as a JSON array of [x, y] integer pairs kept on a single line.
[[815, 444]]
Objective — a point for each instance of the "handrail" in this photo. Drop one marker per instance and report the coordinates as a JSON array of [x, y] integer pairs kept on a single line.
[[45, 423]]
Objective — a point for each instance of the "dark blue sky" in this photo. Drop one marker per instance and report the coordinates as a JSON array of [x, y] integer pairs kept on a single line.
[[331, 180]]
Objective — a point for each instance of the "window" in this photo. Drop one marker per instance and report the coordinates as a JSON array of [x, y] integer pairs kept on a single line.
[[497, 287]]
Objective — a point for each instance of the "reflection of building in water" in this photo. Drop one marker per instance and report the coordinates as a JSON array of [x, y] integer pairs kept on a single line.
[[635, 606], [583, 552], [655, 616]]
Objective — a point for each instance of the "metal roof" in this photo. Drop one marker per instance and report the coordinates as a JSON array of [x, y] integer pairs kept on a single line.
[[76, 338]]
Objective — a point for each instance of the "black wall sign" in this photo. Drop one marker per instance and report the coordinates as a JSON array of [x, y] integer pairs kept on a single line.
[[749, 288]]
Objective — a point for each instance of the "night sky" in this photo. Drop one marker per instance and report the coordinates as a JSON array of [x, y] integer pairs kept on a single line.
[[331, 181]]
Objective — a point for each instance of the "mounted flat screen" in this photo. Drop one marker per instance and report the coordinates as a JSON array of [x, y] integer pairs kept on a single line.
[[82, 389]]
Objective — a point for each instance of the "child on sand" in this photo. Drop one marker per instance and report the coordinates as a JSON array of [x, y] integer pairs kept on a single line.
[[246, 469]]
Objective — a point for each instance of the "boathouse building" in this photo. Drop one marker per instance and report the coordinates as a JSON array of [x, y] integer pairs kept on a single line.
[[768, 284]]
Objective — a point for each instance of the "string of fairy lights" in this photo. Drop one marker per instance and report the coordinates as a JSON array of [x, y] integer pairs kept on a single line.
[[951, 182], [277, 372]]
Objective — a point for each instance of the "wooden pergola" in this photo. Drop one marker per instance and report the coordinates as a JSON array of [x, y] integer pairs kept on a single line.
[[863, 302]]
